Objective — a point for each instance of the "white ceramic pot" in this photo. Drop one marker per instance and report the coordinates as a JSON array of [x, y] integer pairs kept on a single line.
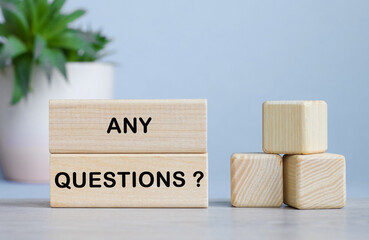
[[24, 128]]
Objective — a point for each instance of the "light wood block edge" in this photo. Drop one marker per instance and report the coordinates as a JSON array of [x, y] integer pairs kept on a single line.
[[80, 126], [301, 192], [267, 172], [189, 196], [305, 133]]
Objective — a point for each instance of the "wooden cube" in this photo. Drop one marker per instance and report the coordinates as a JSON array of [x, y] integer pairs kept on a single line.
[[294, 127], [128, 180], [314, 181], [256, 180], [128, 126]]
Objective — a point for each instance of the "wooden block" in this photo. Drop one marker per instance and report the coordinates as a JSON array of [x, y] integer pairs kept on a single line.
[[256, 180], [294, 127], [314, 181], [128, 180], [128, 126]]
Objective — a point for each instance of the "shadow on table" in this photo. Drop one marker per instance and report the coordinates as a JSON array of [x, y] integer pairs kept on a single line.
[[219, 203], [29, 203], [45, 203]]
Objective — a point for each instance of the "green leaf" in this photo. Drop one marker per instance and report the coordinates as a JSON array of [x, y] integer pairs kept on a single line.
[[39, 46], [33, 15], [22, 74], [60, 24], [94, 42], [17, 92], [51, 58], [52, 10], [21, 5], [11, 49], [14, 18], [72, 40], [4, 31], [74, 16], [100, 41], [41, 6], [56, 6]]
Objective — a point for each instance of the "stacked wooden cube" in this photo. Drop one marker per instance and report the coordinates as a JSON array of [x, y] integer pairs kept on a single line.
[[128, 153], [306, 177]]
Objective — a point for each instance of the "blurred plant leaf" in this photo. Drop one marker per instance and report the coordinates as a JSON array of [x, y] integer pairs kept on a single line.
[[60, 24], [72, 40], [14, 18], [52, 10], [33, 18], [51, 58], [4, 30], [22, 73], [39, 46], [41, 6], [11, 49], [38, 32]]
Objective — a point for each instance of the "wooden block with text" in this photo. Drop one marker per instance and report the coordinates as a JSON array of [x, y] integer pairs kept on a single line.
[[315, 181], [294, 127], [128, 126], [256, 180], [128, 180]]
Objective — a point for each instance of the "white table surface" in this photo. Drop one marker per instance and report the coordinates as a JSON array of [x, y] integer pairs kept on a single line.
[[34, 219]]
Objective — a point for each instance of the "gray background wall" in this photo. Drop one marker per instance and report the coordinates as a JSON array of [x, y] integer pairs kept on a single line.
[[238, 54]]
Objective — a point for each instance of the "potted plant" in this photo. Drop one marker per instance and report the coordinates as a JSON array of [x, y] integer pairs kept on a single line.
[[39, 50]]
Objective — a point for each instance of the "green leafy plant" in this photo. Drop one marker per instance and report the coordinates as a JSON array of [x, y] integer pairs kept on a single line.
[[37, 32]]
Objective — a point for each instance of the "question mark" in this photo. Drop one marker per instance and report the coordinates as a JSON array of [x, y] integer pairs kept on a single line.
[[198, 179]]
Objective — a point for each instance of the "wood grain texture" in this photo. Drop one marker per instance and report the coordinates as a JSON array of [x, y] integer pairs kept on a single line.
[[315, 181], [256, 180], [80, 126], [188, 195], [295, 127]]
